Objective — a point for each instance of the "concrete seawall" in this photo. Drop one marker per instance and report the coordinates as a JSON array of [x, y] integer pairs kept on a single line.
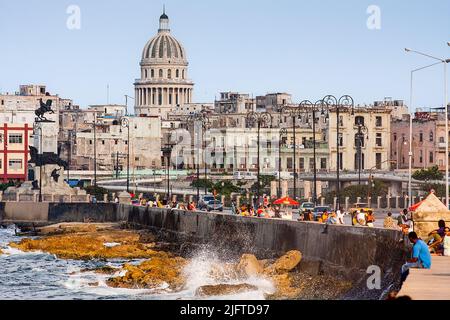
[[336, 250]]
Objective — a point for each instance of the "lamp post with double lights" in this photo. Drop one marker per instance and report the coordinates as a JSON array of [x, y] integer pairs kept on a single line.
[[344, 103], [444, 62], [167, 150], [360, 135], [202, 119], [294, 113], [311, 109], [261, 119], [125, 123], [283, 134]]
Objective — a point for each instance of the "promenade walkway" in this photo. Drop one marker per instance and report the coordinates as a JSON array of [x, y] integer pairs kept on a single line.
[[432, 284]]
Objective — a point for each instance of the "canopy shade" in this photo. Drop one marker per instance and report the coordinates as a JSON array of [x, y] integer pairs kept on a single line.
[[286, 201]]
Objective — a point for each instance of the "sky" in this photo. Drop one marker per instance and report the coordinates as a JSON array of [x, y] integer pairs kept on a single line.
[[307, 48]]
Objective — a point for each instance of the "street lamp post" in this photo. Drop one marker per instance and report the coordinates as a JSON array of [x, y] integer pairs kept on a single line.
[[283, 133], [294, 113], [444, 62], [167, 149], [125, 123], [261, 119], [344, 103], [203, 119], [362, 131], [309, 108]]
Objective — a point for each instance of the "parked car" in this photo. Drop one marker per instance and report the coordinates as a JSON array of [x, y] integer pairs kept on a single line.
[[306, 206], [318, 211], [204, 200], [214, 205]]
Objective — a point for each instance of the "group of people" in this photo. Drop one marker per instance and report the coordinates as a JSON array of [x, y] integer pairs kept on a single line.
[[363, 218], [262, 211], [332, 217]]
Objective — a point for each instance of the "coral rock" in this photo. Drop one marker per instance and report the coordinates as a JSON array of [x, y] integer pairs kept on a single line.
[[284, 264], [249, 265]]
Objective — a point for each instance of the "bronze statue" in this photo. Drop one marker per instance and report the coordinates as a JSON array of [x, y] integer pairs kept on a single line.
[[55, 174], [45, 158], [42, 110]]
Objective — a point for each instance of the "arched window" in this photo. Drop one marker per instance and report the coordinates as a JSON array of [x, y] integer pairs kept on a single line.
[[152, 73], [183, 74], [160, 73], [177, 73], [431, 136], [359, 120], [169, 74], [146, 75]]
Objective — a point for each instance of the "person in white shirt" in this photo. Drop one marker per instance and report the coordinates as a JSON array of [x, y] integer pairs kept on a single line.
[[340, 216], [361, 218]]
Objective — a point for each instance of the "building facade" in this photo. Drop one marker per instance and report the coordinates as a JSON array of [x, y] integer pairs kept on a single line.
[[164, 85]]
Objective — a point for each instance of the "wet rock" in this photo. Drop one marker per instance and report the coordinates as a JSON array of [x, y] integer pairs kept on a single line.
[[284, 264], [146, 237], [284, 288], [103, 270], [93, 284], [90, 245], [152, 274], [224, 289], [224, 272], [249, 265], [75, 227]]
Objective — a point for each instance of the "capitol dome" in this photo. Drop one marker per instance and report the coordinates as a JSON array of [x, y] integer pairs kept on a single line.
[[164, 85]]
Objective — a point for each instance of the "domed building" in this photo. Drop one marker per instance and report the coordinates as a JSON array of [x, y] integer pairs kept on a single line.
[[164, 85]]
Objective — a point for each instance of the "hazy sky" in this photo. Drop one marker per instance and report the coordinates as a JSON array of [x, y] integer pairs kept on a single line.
[[307, 48]]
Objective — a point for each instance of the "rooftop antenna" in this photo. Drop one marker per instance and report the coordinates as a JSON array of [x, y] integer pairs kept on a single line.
[[107, 94]]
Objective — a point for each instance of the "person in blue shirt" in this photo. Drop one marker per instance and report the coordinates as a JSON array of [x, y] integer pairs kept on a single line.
[[421, 257]]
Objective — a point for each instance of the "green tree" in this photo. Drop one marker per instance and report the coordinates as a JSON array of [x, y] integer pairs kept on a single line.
[[432, 173]]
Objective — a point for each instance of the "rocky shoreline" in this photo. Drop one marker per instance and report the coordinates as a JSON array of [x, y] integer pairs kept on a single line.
[[163, 270]]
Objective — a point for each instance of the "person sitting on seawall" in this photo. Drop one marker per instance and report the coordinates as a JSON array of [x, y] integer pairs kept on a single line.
[[340, 216], [370, 219], [307, 216], [353, 216], [436, 237], [389, 222], [324, 217], [404, 222], [421, 257], [361, 218], [332, 219]]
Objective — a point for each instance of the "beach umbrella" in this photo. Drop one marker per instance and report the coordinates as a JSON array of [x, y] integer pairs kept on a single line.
[[286, 201]]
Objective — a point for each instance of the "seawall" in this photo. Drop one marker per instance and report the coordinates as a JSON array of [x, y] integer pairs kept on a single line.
[[336, 250]]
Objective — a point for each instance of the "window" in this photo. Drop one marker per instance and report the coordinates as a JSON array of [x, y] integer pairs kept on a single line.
[[289, 163], [378, 161], [160, 73], [183, 74], [341, 162], [3, 102], [103, 141], [302, 164], [395, 136], [421, 156], [431, 136], [441, 140], [177, 73], [146, 75], [379, 141], [116, 141], [359, 120], [323, 163], [90, 141], [341, 140], [431, 157], [421, 137], [15, 138], [169, 74], [311, 163], [379, 121], [136, 159], [15, 164], [126, 141], [152, 73], [357, 161]]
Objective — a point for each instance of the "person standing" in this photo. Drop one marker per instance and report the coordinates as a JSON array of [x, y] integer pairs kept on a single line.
[[404, 222], [370, 219], [421, 257], [340, 216], [389, 222]]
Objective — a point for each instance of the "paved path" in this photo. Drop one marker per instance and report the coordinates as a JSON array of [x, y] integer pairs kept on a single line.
[[432, 284]]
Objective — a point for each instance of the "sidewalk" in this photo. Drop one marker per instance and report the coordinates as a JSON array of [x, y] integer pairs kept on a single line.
[[433, 284]]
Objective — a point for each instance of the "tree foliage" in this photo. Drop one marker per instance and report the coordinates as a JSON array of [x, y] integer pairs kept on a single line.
[[431, 173]]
